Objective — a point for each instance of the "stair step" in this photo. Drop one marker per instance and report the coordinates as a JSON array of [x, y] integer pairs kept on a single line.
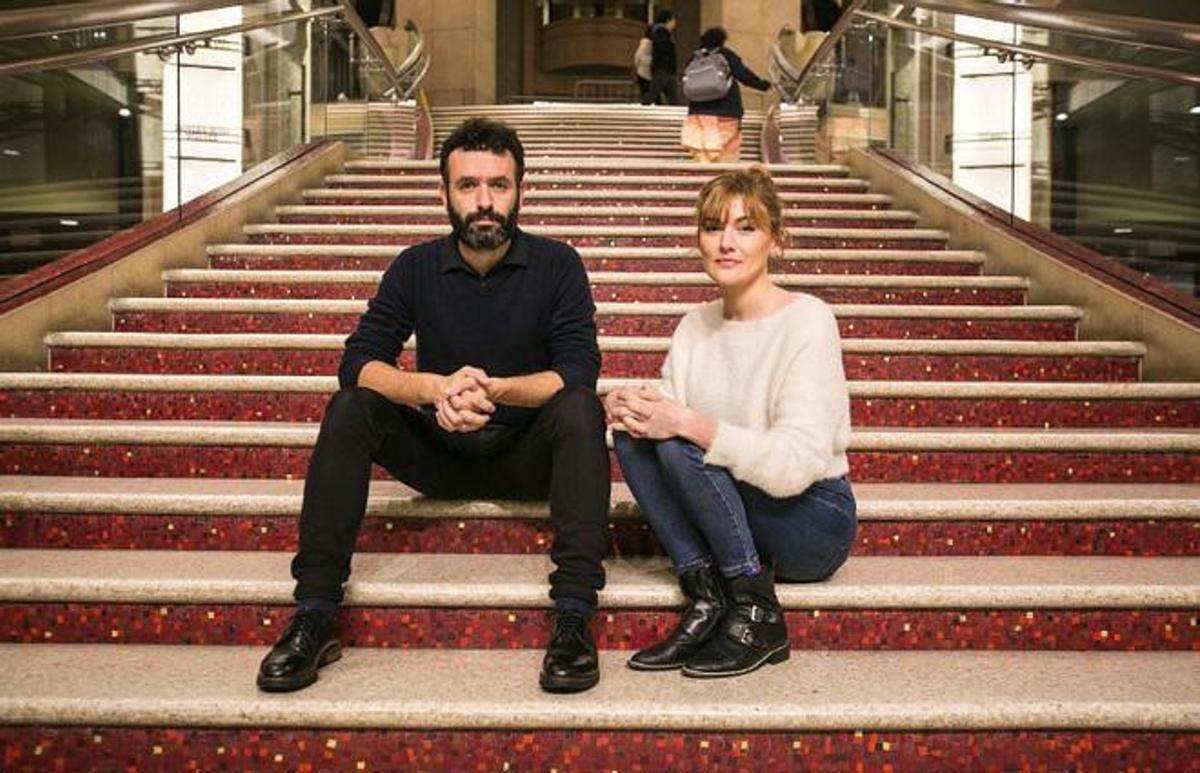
[[576, 182], [905, 519], [106, 686], [519, 582], [549, 215], [613, 197], [274, 450], [590, 235], [248, 315], [131, 396], [430, 168], [291, 257], [624, 286], [622, 356]]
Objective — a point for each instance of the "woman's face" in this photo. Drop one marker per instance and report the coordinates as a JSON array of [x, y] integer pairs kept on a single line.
[[735, 252]]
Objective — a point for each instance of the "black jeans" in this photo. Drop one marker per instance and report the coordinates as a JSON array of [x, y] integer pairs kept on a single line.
[[562, 455], [663, 85]]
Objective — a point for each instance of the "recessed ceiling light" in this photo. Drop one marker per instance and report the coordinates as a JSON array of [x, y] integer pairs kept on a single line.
[[68, 222], [1122, 230], [124, 112], [11, 152], [1195, 110], [1061, 117]]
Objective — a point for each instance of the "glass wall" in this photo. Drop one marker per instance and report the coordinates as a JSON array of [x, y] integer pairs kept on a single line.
[[1108, 159], [103, 142]]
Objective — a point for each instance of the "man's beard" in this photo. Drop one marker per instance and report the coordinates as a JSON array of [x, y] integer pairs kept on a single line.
[[469, 233]]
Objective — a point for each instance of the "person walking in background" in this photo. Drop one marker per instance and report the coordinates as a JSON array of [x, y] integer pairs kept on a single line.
[[642, 57], [737, 458], [712, 130], [664, 63]]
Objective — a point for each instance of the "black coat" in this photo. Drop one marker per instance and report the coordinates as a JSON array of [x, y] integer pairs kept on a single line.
[[662, 51], [730, 105]]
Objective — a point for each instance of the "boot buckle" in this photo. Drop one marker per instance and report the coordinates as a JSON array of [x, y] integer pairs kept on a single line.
[[757, 614], [747, 637]]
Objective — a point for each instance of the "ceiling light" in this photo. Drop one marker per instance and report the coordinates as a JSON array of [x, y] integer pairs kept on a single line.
[[11, 152], [1122, 230], [1061, 117], [124, 112], [68, 222]]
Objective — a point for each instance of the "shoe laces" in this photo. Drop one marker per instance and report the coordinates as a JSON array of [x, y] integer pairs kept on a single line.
[[306, 627], [569, 624]]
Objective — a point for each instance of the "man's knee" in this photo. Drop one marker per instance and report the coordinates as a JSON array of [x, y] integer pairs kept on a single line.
[[577, 410], [350, 409]]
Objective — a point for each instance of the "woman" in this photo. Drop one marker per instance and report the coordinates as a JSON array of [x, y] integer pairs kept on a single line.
[[738, 457], [712, 130], [642, 57]]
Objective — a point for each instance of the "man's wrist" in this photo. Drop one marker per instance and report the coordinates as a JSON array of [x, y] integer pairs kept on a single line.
[[497, 389], [435, 388]]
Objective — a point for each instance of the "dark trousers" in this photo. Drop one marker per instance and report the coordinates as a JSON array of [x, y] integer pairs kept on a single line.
[[561, 455], [662, 84]]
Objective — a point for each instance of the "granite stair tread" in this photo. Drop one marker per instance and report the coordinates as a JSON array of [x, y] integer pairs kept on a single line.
[[103, 685], [978, 390], [358, 306], [641, 278], [566, 231], [392, 499], [607, 343], [519, 581], [690, 168], [427, 182], [291, 434], [851, 254], [539, 195], [438, 213]]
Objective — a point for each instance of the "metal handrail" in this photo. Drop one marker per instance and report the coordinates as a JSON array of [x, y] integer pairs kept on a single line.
[[169, 43], [52, 19], [1171, 35], [1174, 36], [404, 80], [1028, 53]]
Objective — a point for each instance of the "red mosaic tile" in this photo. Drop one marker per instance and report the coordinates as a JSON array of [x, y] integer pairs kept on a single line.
[[428, 198], [867, 467], [1112, 630], [915, 267], [799, 241], [872, 412], [263, 362], [582, 217], [608, 324], [621, 293], [39, 748], [627, 537], [922, 367]]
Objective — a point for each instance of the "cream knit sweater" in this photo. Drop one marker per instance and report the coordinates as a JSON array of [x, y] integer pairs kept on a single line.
[[776, 387]]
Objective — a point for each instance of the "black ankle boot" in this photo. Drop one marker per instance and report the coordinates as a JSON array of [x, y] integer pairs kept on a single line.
[[752, 631], [305, 645], [571, 663], [706, 601]]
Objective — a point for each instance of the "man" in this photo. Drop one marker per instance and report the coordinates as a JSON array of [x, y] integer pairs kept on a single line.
[[663, 61], [502, 405]]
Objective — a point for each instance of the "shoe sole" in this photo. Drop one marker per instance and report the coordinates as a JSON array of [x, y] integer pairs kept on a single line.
[[332, 652], [644, 667], [774, 657], [565, 684]]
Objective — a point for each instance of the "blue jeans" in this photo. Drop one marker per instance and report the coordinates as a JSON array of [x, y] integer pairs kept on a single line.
[[702, 515]]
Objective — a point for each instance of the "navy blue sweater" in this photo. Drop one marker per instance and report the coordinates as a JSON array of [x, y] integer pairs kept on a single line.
[[532, 312]]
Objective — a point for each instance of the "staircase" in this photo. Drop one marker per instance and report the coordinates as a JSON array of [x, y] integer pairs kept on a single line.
[[1024, 590]]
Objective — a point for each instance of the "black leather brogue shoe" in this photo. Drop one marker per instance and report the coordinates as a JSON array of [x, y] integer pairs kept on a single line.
[[571, 663], [306, 645], [700, 619]]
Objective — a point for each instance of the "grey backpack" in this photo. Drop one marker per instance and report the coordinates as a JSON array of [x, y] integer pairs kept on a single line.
[[707, 76]]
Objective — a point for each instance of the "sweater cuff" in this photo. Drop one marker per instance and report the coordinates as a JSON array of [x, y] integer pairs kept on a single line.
[[729, 446]]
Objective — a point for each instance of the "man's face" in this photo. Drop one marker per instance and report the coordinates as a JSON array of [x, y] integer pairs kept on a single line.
[[482, 198]]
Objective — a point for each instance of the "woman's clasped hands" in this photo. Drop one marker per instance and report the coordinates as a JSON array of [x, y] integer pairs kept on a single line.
[[644, 412]]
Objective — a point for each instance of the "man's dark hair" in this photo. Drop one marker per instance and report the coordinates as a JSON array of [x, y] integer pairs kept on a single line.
[[481, 133], [664, 16], [713, 37]]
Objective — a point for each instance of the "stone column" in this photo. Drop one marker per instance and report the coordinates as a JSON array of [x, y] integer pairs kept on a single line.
[[462, 39], [752, 26]]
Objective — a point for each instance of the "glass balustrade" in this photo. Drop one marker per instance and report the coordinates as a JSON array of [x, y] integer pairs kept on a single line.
[[110, 138], [1096, 138]]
